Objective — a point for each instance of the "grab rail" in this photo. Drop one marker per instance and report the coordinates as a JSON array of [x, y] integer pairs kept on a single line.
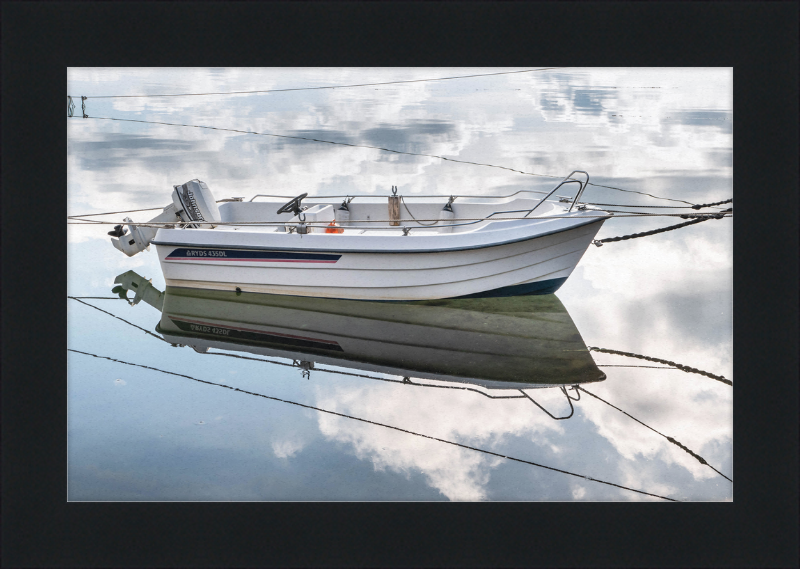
[[405, 228], [566, 180], [571, 408], [480, 196]]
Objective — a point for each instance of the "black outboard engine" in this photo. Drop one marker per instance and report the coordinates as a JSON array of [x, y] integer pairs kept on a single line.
[[192, 202]]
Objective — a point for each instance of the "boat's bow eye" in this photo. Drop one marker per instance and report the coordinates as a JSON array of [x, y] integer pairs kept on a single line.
[[293, 205]]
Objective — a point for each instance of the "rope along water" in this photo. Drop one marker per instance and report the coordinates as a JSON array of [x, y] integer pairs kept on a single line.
[[599, 242], [384, 150], [97, 298], [118, 318], [667, 362], [329, 86], [699, 458], [320, 410]]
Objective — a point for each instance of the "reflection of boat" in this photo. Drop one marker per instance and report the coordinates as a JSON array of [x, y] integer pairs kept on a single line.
[[469, 246], [512, 342]]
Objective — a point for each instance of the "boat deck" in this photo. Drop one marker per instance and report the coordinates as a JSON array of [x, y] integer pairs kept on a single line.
[[372, 218]]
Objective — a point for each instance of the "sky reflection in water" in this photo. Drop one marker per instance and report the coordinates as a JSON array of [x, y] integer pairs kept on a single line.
[[137, 434]]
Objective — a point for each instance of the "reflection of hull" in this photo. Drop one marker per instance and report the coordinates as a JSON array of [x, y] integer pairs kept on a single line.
[[502, 342]]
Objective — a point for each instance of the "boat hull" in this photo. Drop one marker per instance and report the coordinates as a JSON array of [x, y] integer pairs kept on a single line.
[[505, 343], [521, 265]]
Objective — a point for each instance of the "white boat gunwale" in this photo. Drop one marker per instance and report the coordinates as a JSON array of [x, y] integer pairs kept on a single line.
[[404, 251]]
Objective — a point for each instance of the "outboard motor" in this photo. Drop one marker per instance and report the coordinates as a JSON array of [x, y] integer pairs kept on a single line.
[[192, 202]]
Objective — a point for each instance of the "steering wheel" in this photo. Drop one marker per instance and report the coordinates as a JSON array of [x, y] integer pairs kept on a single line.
[[292, 205]]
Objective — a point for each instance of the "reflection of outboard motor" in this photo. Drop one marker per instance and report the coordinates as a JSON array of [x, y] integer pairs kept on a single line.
[[191, 202], [142, 287]]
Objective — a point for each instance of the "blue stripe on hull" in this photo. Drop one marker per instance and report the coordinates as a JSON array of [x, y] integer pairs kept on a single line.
[[528, 289], [222, 254], [540, 287]]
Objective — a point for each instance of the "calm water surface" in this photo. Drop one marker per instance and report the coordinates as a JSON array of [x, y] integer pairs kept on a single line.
[[406, 379]]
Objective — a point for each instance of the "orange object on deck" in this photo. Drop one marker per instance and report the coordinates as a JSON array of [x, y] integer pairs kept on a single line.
[[333, 228]]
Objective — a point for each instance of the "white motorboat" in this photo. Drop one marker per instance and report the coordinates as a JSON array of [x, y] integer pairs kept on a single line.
[[496, 343], [364, 249]]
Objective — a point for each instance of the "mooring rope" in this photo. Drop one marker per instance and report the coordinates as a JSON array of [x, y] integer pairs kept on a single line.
[[327, 86], [335, 143], [97, 298], [699, 219], [712, 204], [648, 367], [118, 318], [667, 362], [384, 150], [114, 212], [634, 192], [320, 410], [658, 206], [128, 211], [699, 458], [402, 199]]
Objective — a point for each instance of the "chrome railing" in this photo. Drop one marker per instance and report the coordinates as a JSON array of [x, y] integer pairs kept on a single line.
[[345, 196], [567, 180]]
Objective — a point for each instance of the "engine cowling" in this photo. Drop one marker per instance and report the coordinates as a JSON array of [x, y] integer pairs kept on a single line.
[[195, 202]]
